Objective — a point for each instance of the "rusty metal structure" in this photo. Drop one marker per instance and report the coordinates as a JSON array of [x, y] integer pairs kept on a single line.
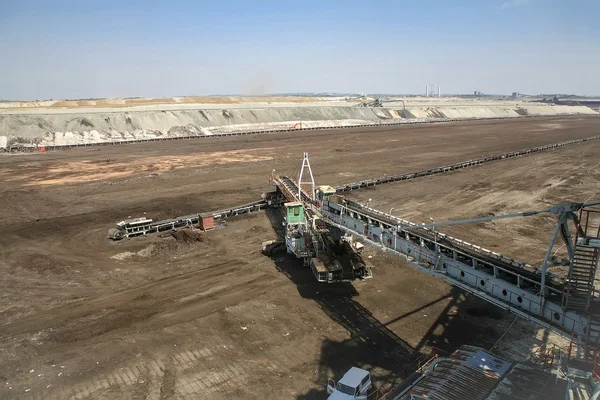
[[475, 374]]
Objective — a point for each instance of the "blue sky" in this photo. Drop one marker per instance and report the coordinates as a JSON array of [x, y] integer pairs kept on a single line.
[[81, 49]]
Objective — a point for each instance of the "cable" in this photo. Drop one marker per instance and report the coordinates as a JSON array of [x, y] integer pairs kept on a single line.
[[504, 334], [296, 170], [597, 182], [291, 171], [586, 200]]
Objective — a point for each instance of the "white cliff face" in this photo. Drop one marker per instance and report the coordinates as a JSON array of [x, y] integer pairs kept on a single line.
[[62, 128]]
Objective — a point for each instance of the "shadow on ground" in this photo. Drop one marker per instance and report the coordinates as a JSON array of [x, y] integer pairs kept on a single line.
[[372, 344]]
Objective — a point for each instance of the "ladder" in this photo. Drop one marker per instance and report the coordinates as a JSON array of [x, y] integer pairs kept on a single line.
[[582, 271], [581, 291], [581, 278]]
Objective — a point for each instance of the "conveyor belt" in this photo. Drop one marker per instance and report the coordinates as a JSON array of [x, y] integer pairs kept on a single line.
[[125, 229], [463, 247], [510, 284], [500, 280], [447, 168], [466, 248], [289, 188]]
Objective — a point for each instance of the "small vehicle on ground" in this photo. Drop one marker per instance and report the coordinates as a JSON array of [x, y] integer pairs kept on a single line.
[[354, 385]]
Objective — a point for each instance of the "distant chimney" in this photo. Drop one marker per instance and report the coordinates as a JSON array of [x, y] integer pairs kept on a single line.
[[439, 92], [426, 91]]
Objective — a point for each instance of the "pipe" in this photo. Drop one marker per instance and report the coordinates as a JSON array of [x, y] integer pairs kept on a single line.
[[596, 393], [436, 362], [560, 209]]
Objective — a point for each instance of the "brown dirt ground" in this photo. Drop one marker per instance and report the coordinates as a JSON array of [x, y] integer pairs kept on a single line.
[[154, 318]]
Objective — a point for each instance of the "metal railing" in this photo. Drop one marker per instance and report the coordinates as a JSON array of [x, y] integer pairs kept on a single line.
[[496, 288], [392, 222]]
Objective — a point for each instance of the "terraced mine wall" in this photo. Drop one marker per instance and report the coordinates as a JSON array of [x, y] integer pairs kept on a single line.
[[64, 129]]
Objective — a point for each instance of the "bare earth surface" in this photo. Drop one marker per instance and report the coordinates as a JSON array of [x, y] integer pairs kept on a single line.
[[157, 318]]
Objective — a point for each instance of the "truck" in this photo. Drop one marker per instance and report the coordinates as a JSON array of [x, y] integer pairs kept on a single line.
[[354, 385]]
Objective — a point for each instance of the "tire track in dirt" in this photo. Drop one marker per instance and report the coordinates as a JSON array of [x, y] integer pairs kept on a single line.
[[88, 318], [216, 370], [65, 225], [184, 298], [167, 386]]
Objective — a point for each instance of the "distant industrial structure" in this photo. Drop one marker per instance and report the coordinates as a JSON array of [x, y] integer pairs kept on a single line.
[[430, 90], [514, 95]]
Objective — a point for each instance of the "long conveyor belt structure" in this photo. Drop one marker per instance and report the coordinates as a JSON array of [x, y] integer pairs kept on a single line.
[[142, 226], [460, 165], [510, 284]]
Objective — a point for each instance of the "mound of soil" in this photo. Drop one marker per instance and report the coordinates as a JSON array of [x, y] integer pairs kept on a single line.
[[188, 236], [146, 252]]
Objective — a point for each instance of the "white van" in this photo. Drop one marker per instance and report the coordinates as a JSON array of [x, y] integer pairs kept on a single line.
[[354, 385]]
